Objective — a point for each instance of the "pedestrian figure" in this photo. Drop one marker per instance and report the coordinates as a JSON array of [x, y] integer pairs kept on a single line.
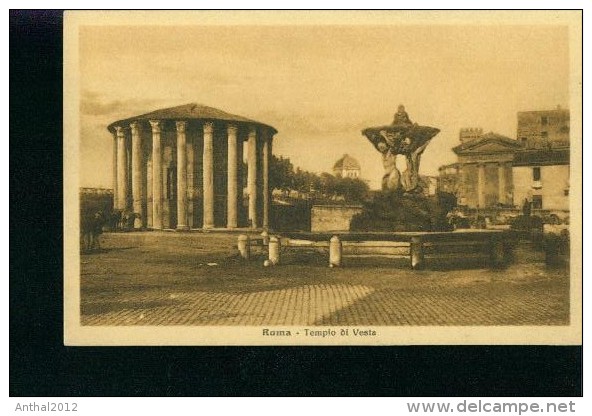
[[526, 208]]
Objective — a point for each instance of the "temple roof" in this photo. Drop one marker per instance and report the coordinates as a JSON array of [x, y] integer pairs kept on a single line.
[[346, 162], [504, 143], [190, 111]]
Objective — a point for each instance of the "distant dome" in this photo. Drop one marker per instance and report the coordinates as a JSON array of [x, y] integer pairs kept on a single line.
[[346, 162]]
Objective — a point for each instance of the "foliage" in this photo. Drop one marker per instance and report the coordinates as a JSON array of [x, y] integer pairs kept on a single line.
[[394, 211], [284, 177], [281, 174]]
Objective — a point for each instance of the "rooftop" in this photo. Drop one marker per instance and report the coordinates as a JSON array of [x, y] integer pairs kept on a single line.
[[190, 111], [558, 109], [487, 137], [346, 162]]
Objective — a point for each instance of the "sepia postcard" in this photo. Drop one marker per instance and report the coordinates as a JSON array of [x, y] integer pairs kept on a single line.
[[322, 177]]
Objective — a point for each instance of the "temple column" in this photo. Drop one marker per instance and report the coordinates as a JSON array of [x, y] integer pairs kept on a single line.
[[481, 185], [121, 169], [232, 203], [501, 180], [181, 176], [208, 175], [149, 203], [266, 196], [114, 172], [252, 177], [137, 175], [156, 176], [190, 181], [460, 191]]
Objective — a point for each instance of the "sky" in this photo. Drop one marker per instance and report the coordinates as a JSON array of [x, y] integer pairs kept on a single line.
[[319, 86]]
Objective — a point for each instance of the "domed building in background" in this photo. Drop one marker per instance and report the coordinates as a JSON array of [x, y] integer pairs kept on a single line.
[[181, 168], [347, 167]]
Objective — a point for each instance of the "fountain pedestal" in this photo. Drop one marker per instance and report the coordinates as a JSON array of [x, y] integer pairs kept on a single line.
[[396, 211]]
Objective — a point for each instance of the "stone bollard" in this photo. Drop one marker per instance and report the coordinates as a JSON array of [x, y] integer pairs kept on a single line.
[[551, 248], [137, 222], [274, 250], [416, 253], [244, 246], [335, 251], [265, 236]]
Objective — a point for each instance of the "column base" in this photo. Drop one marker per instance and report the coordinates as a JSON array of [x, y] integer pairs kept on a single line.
[[182, 228]]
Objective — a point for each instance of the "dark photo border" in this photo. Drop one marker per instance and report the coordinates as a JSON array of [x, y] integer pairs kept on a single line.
[[40, 364]]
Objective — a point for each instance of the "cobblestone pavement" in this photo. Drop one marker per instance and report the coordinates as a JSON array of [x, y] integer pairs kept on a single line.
[[165, 279]]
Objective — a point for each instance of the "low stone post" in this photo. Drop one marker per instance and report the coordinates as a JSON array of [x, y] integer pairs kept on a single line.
[[416, 253], [265, 236], [244, 246], [335, 251], [274, 250], [551, 247]]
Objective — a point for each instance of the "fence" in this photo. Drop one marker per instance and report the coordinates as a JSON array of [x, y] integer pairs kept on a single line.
[[488, 246]]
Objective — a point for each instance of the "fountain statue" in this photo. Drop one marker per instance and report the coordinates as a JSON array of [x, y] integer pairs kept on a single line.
[[402, 205], [402, 137]]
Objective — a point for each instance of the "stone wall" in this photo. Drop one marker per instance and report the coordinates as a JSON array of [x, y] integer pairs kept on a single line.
[[332, 217], [93, 200]]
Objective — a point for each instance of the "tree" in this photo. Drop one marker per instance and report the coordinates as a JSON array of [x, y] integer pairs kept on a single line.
[[327, 185], [353, 189], [300, 181], [281, 174]]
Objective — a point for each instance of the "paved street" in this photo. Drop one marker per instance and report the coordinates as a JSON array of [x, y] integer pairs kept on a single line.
[[164, 279]]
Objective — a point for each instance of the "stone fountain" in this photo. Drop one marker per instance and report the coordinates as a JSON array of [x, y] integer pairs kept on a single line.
[[402, 204], [402, 221]]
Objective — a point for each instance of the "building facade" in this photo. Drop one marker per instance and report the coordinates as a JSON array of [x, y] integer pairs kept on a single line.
[[541, 168], [484, 171], [543, 129], [347, 167], [449, 179], [181, 168], [541, 177], [428, 184], [493, 170]]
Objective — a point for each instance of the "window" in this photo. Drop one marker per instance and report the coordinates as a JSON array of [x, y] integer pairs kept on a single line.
[[544, 121], [537, 202], [536, 174]]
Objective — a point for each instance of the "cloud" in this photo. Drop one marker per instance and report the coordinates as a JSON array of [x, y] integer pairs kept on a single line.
[[312, 123], [92, 104]]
